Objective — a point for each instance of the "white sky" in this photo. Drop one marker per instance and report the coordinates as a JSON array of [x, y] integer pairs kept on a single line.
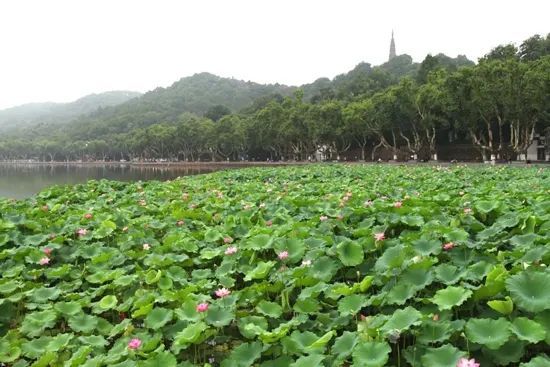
[[60, 50]]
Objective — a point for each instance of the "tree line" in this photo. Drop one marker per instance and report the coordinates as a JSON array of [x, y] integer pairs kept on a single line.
[[496, 105]]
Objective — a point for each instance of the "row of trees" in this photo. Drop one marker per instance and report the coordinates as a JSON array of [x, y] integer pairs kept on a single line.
[[496, 105]]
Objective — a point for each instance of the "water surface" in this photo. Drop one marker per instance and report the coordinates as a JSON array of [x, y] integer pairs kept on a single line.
[[20, 181]]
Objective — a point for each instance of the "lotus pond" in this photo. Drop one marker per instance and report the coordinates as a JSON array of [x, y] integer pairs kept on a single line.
[[276, 267]]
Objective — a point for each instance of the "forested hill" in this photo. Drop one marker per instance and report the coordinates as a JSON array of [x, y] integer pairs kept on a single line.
[[32, 114]]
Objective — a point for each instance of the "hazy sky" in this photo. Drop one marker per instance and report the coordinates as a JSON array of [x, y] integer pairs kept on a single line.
[[60, 50]]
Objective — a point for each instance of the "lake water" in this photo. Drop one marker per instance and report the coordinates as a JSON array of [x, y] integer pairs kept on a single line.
[[22, 180]]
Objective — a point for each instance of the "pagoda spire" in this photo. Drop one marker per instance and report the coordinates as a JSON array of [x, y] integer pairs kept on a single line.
[[392, 47]]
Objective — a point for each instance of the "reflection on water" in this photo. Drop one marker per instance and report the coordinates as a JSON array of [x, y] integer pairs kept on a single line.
[[24, 180]]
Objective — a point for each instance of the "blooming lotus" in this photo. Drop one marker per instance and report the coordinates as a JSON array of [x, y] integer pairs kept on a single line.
[[44, 261], [448, 246], [465, 362], [134, 344], [467, 211], [379, 236], [45, 208], [398, 204], [222, 292], [146, 246], [88, 216], [262, 205], [322, 218], [202, 307], [47, 251], [269, 223], [185, 196], [125, 229], [231, 250], [306, 263], [180, 223], [82, 232], [368, 203], [227, 239], [283, 255]]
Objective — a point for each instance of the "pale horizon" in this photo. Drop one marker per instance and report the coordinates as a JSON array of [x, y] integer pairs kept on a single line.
[[61, 50]]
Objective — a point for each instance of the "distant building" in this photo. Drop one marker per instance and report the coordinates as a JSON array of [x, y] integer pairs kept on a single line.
[[537, 150], [392, 47]]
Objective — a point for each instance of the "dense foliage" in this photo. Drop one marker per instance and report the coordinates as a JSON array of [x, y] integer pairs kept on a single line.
[[405, 108], [311, 266], [37, 114]]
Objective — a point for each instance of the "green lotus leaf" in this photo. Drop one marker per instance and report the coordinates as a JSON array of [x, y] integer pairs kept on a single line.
[[107, 303], [350, 305], [486, 207], [524, 240], [399, 294], [59, 342], [259, 322], [270, 309], [448, 273], [188, 311], [261, 270], [528, 330], [152, 276], [259, 242], [450, 297], [344, 345], [350, 253], [426, 247], [299, 342], [36, 347], [41, 295], [68, 308], [313, 360], [393, 257], [158, 317], [190, 334], [9, 352], [511, 352], [35, 323], [543, 318], [10, 286], [444, 356], [529, 290], [83, 323], [96, 341], [164, 359], [324, 268], [283, 361], [371, 354], [540, 361], [491, 333], [504, 307], [412, 220], [402, 319], [219, 316], [438, 331], [244, 355], [307, 306]]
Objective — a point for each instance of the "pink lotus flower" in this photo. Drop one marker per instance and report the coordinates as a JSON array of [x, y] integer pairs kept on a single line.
[[44, 261], [465, 362], [146, 246], [435, 317], [82, 232], [269, 223], [185, 196], [88, 216], [134, 344], [398, 204], [345, 198], [448, 246], [231, 250], [379, 236], [180, 223], [222, 292], [322, 218], [283, 255], [45, 208], [47, 251], [202, 307], [467, 211], [349, 194], [227, 240]]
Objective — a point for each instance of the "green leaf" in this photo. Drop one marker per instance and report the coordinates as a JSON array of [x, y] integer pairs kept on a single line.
[[309, 361], [371, 354], [219, 316], [190, 334], [528, 330], [96, 341], [444, 356], [486, 207], [244, 355], [350, 305], [402, 320], [35, 323], [83, 323], [68, 308], [261, 271], [504, 307], [270, 309], [540, 361], [350, 253], [41, 295], [344, 344], [491, 333], [158, 317], [529, 290], [451, 296], [107, 303], [162, 359]]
